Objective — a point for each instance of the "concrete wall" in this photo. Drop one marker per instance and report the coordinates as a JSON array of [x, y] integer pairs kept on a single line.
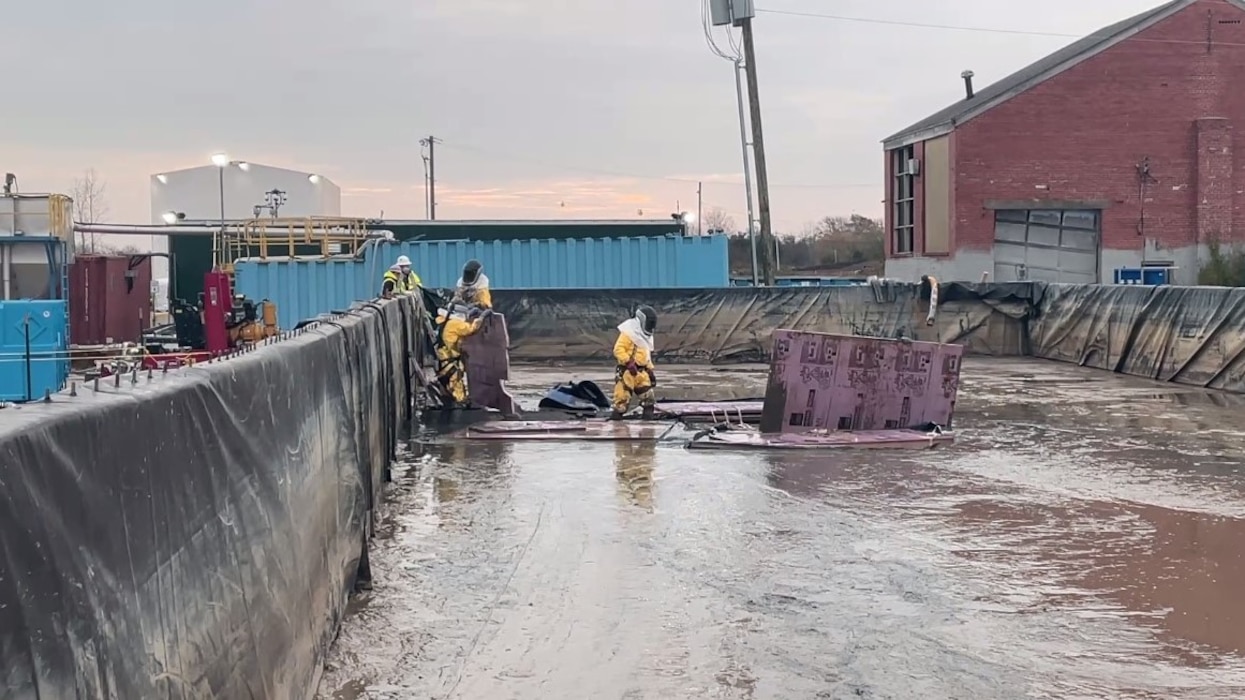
[[1148, 131]]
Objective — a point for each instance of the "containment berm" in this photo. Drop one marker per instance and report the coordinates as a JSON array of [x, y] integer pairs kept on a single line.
[[195, 534]]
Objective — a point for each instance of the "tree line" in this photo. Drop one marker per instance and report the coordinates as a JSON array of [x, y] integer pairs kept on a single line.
[[90, 206], [833, 243]]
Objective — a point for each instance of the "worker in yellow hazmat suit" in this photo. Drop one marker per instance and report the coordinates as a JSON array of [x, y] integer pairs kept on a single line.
[[472, 287], [633, 354], [399, 279], [456, 323]]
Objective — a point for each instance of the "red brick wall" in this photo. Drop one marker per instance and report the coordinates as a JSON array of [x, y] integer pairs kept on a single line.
[[1084, 132]]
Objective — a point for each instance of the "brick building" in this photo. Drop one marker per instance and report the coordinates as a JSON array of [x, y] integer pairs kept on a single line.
[[1119, 150]]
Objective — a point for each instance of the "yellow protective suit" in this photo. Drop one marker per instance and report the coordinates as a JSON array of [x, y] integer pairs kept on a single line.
[[451, 369], [476, 294], [626, 384], [633, 466]]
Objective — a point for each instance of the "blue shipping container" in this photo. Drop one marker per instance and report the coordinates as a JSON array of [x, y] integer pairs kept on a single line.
[[304, 288], [1152, 276], [46, 369]]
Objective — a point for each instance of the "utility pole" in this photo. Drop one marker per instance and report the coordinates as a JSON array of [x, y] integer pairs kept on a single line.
[[758, 151], [743, 140], [700, 209], [424, 157], [431, 144]]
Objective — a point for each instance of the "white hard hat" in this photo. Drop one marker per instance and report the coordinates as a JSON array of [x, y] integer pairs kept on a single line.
[[403, 260]]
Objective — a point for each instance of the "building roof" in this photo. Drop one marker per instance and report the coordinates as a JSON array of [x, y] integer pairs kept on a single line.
[[944, 121], [249, 164], [510, 230]]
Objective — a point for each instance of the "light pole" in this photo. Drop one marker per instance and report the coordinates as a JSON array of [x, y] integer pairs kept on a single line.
[[221, 161]]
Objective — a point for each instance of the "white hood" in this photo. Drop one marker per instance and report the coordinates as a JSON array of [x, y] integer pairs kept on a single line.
[[480, 283], [631, 328]]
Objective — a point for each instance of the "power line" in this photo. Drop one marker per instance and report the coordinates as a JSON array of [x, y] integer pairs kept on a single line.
[[984, 30], [636, 176]]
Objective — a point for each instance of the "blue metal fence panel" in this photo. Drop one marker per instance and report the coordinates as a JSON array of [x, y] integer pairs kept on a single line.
[[303, 288], [688, 262], [45, 367]]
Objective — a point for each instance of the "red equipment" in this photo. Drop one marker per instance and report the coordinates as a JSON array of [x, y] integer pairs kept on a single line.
[[220, 322], [217, 305]]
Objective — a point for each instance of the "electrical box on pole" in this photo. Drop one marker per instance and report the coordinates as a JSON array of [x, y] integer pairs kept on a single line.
[[723, 12]]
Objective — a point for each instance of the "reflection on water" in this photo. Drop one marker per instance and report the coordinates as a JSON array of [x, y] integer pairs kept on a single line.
[[633, 466], [1180, 571]]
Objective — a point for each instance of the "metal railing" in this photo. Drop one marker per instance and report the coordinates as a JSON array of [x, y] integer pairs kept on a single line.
[[262, 238]]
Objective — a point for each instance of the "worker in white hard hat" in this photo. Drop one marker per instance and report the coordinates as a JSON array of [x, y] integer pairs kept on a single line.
[[400, 279]]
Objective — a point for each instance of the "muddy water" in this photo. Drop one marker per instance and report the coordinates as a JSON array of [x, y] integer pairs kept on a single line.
[[1082, 540]]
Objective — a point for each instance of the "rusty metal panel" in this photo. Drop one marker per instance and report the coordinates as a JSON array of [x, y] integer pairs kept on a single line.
[[487, 356], [821, 381]]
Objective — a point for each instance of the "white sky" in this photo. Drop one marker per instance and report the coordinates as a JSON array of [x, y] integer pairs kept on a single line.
[[592, 109]]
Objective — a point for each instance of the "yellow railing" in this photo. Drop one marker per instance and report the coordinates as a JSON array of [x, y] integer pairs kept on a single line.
[[290, 237], [60, 217]]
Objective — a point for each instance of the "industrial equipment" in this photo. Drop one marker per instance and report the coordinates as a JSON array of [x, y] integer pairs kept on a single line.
[[36, 237], [220, 322]]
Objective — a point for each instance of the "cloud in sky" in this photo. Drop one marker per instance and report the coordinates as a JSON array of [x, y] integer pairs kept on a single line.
[[586, 109]]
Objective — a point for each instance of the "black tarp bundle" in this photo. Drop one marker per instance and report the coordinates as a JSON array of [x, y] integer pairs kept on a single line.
[[195, 534]]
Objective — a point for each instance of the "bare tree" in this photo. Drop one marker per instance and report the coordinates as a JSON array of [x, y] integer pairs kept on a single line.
[[716, 219], [90, 206]]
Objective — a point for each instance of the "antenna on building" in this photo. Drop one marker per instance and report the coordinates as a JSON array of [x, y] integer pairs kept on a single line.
[[273, 200], [968, 84]]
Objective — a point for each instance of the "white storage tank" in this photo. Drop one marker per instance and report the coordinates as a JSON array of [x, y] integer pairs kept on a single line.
[[27, 222]]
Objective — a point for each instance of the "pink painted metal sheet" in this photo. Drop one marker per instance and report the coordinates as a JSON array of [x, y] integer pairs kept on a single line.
[[487, 356], [834, 439], [821, 381], [710, 409], [586, 431]]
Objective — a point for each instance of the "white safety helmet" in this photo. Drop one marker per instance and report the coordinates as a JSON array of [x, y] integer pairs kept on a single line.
[[403, 261]]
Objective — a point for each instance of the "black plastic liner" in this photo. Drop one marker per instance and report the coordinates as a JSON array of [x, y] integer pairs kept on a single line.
[[724, 326], [196, 534], [1188, 335]]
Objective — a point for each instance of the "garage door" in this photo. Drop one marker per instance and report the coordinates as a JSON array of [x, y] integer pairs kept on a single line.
[[1048, 245]]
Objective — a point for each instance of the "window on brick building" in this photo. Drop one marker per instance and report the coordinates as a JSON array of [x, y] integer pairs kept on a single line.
[[904, 215]]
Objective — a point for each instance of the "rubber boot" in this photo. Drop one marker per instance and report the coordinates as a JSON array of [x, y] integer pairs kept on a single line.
[[648, 414], [616, 415]]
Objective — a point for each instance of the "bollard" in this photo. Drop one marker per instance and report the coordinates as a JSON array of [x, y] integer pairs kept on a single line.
[[96, 383], [116, 380], [134, 376], [47, 396], [164, 367], [149, 374], [73, 388]]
